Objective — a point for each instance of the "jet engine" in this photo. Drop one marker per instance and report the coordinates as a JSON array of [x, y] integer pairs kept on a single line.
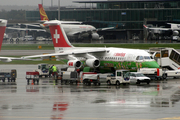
[[93, 63], [6, 60], [95, 36], [74, 63], [175, 33]]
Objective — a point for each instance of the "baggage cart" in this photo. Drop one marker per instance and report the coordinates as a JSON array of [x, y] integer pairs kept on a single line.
[[34, 76]]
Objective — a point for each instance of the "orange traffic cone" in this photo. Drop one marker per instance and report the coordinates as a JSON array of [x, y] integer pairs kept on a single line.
[[32, 83]]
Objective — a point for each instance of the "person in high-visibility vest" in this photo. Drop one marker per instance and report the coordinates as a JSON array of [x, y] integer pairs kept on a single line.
[[54, 69]]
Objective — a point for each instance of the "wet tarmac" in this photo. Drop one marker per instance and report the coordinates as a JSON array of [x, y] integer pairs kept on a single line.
[[50, 101]]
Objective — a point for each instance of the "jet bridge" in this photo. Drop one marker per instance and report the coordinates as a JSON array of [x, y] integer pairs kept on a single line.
[[168, 58]]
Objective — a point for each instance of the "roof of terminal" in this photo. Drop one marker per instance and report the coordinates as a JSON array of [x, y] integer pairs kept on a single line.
[[124, 1]]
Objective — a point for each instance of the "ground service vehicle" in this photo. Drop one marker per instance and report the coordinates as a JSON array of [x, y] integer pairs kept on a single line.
[[90, 77], [43, 70], [69, 77], [153, 73], [172, 73], [137, 77], [31, 75], [167, 58], [120, 76], [9, 74]]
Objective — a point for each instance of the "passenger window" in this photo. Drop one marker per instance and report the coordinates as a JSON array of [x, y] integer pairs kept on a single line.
[[139, 58]]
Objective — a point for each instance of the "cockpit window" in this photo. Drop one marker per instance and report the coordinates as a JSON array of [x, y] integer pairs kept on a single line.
[[147, 57], [143, 58]]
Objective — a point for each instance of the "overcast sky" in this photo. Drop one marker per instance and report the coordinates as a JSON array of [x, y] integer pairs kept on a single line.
[[45, 2]]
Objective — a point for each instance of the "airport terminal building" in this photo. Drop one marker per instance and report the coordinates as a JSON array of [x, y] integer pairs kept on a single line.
[[129, 15]]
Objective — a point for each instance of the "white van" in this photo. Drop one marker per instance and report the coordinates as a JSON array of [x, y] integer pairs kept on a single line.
[[137, 77]]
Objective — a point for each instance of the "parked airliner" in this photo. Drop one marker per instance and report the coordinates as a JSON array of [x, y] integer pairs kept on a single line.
[[103, 59], [73, 29], [3, 24]]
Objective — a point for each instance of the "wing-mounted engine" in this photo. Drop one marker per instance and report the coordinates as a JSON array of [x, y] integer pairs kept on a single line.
[[95, 36], [93, 63], [175, 33], [74, 63]]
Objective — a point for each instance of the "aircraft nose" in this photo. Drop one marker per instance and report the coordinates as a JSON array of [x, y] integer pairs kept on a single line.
[[151, 64], [154, 64]]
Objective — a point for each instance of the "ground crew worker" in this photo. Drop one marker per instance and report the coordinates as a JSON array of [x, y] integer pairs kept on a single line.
[[50, 70], [54, 69]]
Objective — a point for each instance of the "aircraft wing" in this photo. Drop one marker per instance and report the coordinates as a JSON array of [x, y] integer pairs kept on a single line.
[[32, 25], [166, 29], [25, 29], [157, 28], [79, 53], [79, 32], [102, 29], [90, 31], [9, 59]]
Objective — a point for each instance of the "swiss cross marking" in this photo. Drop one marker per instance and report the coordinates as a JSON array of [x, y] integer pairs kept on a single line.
[[56, 36]]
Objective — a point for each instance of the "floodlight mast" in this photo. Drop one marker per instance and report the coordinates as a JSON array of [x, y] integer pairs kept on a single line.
[[58, 9]]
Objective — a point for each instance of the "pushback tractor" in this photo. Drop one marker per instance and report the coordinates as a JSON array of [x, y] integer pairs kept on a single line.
[[119, 77]]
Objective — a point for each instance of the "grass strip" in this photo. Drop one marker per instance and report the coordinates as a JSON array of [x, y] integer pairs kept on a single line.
[[51, 47]]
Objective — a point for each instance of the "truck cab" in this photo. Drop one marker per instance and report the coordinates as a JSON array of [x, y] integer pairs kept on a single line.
[[119, 77], [43, 70]]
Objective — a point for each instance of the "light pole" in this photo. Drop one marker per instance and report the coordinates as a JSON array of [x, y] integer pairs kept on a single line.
[[42, 2], [58, 9]]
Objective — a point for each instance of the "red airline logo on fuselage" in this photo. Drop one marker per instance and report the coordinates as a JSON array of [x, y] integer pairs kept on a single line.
[[70, 63], [120, 54]]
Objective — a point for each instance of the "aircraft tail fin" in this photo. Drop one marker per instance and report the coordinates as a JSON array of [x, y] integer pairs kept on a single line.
[[145, 26], [43, 14], [3, 24], [58, 35]]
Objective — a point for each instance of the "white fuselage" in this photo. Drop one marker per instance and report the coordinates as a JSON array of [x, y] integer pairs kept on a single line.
[[77, 30], [111, 54]]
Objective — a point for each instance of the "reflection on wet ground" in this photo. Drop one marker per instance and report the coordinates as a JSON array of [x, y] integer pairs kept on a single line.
[[50, 101]]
